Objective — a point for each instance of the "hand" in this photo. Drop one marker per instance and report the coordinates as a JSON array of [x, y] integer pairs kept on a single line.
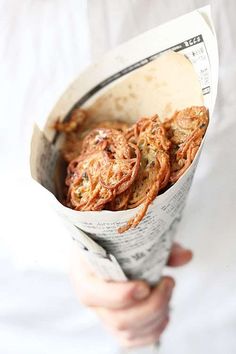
[[136, 314]]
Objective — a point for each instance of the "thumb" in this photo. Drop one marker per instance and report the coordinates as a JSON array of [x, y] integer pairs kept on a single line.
[[95, 292]]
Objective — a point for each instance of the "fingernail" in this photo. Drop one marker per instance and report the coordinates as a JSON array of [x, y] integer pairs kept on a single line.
[[141, 292]]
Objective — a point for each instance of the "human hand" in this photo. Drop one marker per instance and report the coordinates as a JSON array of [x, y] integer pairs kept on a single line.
[[135, 313]]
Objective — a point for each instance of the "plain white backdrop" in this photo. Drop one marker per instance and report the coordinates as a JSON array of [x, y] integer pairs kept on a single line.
[[44, 44]]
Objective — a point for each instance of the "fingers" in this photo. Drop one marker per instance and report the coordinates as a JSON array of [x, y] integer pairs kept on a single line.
[[142, 314], [179, 256], [144, 322], [95, 292], [154, 324], [129, 340], [134, 312]]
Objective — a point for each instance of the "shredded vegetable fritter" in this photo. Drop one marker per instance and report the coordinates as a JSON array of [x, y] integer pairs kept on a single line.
[[150, 137], [106, 167], [114, 166], [185, 130]]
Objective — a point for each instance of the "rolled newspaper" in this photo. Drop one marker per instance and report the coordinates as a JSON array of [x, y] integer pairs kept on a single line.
[[169, 68]]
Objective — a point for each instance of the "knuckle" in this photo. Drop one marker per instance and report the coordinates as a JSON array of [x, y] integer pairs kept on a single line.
[[129, 336], [116, 322], [126, 335], [121, 325], [124, 298]]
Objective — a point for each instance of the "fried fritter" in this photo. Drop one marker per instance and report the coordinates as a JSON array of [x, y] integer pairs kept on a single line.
[[185, 130]]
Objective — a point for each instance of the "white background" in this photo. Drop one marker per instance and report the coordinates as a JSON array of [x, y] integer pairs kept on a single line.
[[44, 44]]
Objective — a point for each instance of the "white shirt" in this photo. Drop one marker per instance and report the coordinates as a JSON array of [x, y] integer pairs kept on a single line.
[[43, 46]]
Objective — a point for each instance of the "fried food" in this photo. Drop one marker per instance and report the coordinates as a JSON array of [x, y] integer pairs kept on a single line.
[[109, 124], [107, 166], [150, 137], [78, 127], [77, 118], [185, 130], [85, 190], [110, 140], [115, 166], [120, 202]]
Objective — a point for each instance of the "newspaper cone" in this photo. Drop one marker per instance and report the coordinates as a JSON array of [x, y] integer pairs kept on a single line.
[[166, 69]]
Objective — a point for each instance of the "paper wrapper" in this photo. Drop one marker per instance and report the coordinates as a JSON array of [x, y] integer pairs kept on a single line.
[[166, 69]]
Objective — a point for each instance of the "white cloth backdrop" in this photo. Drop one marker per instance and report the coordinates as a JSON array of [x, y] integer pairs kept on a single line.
[[44, 44]]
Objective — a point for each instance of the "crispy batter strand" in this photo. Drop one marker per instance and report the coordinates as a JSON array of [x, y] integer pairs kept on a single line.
[[120, 202], [150, 193], [125, 169]]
